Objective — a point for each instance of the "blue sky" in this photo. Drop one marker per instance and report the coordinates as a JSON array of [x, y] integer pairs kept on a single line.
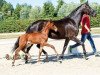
[[40, 2]]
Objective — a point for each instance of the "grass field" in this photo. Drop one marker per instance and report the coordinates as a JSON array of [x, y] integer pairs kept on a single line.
[[17, 34]]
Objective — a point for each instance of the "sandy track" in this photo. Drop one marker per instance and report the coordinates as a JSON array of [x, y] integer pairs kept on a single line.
[[70, 65]]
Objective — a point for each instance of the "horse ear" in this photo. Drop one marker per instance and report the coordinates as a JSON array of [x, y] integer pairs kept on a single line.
[[49, 21], [44, 24], [87, 2]]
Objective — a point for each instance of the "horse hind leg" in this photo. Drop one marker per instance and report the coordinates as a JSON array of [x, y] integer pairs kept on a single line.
[[65, 46], [27, 51], [81, 43], [27, 55], [15, 56], [40, 52]]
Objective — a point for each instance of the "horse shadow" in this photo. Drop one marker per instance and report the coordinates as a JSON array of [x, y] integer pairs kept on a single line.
[[53, 58]]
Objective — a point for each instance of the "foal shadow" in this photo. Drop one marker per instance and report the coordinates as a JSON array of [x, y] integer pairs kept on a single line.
[[53, 58]]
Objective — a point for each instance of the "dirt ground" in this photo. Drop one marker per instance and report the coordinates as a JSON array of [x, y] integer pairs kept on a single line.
[[71, 65]]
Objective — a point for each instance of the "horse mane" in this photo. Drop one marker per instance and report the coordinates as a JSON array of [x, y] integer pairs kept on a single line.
[[33, 23], [75, 10], [66, 19]]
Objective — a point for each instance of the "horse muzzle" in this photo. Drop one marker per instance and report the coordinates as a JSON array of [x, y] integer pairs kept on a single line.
[[55, 29]]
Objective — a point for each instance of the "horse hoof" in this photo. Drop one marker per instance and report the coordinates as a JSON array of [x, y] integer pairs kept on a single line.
[[60, 61], [13, 65], [47, 60], [61, 57], [86, 58], [26, 62], [39, 61]]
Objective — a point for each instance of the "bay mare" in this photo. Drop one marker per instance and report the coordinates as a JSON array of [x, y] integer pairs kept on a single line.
[[68, 28]]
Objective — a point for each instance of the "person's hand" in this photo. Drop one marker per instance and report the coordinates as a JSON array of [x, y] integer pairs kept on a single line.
[[89, 30]]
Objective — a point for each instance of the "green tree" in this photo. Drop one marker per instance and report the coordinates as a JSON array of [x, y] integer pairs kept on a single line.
[[1, 3], [48, 9], [35, 13], [17, 11], [24, 13], [66, 9], [82, 1], [60, 3], [1, 16], [7, 9], [96, 6]]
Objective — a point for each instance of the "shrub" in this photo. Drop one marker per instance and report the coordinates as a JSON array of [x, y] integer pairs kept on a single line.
[[95, 21], [7, 26], [12, 25]]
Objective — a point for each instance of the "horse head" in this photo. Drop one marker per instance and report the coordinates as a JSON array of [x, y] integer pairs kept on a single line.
[[51, 25], [85, 7]]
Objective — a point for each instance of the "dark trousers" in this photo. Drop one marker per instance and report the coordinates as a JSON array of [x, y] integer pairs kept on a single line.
[[83, 38]]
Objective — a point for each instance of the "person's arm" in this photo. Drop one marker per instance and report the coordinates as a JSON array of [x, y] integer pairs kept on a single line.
[[87, 28], [81, 23]]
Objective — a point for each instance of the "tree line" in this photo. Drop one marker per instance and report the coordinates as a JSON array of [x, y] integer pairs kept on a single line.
[[19, 18]]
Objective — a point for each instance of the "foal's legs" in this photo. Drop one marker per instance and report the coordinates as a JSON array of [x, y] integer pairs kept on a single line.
[[40, 52], [81, 43], [65, 46], [27, 51], [16, 54], [38, 45], [49, 45]]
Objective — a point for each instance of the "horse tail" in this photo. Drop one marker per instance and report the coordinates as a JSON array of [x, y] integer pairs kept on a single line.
[[16, 45]]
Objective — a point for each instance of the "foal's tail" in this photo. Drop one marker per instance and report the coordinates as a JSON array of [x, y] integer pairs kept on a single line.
[[16, 45]]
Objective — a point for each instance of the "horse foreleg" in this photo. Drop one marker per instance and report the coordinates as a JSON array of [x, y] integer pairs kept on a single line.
[[83, 46], [49, 45], [38, 45], [65, 46], [40, 52]]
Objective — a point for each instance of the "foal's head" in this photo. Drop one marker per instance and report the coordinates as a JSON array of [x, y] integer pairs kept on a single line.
[[50, 25]]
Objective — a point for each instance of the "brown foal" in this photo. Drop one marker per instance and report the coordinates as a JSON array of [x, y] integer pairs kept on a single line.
[[41, 38]]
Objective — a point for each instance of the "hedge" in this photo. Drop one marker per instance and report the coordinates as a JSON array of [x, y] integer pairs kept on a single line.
[[8, 26], [11, 25], [95, 21]]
